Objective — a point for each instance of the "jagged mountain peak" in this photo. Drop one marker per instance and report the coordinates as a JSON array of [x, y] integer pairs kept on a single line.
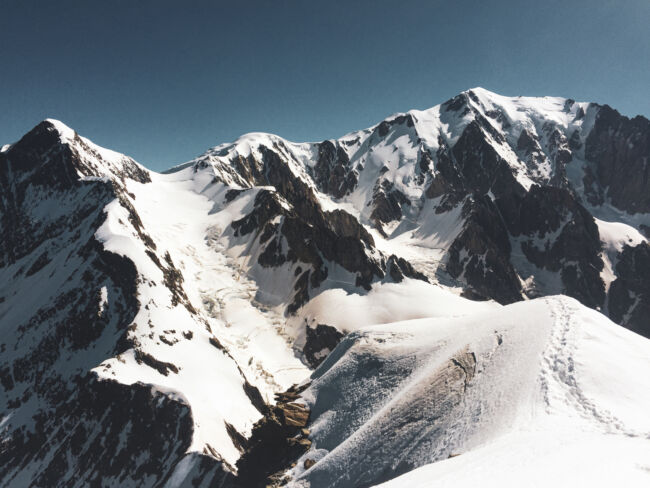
[[52, 151], [468, 164], [500, 117], [405, 153], [169, 315], [540, 104]]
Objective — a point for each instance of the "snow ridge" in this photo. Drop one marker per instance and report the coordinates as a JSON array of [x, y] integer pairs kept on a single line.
[[160, 316]]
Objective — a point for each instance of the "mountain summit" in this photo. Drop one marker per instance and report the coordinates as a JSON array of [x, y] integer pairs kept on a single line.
[[503, 197], [342, 313]]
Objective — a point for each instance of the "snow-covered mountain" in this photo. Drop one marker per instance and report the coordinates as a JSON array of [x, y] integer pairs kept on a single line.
[[502, 197], [177, 329]]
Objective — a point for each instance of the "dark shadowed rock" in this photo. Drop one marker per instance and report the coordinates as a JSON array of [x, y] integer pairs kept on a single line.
[[320, 341], [629, 294], [387, 203], [480, 255], [278, 439], [620, 148], [574, 247], [332, 172]]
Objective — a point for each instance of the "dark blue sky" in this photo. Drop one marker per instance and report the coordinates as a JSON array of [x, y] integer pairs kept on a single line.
[[163, 81]]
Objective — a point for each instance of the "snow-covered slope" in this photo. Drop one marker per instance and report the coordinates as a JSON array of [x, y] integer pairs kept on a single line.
[[154, 326], [108, 310], [535, 393]]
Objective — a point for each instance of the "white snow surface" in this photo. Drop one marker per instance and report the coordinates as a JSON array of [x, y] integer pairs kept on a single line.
[[559, 397], [186, 216], [105, 162], [189, 230], [386, 303], [524, 389], [182, 223], [614, 236]]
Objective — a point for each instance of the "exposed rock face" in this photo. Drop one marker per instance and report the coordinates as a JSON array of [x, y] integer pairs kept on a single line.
[[133, 419], [277, 441], [496, 195], [66, 410], [482, 169], [551, 229], [447, 182], [335, 236], [67, 305], [399, 268], [546, 222], [333, 173], [629, 295], [294, 228], [620, 148], [543, 166], [39, 164], [387, 203], [321, 340], [570, 244], [480, 255]]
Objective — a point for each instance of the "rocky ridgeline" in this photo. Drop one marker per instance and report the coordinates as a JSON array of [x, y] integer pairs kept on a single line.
[[62, 424], [293, 228], [521, 193], [528, 191]]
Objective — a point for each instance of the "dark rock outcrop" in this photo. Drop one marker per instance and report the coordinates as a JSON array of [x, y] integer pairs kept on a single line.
[[387, 203], [319, 342], [620, 149], [569, 236], [306, 234], [332, 172], [133, 419], [480, 255], [325, 236], [399, 268], [60, 416], [277, 441], [629, 294], [76, 427]]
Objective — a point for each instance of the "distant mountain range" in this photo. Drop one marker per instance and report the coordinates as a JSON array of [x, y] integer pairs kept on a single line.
[[332, 314]]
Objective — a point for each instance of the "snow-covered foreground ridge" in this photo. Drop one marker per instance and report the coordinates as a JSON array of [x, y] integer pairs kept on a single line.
[[152, 325], [536, 393]]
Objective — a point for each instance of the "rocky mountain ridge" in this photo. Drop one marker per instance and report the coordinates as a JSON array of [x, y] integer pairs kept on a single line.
[[125, 293], [522, 184]]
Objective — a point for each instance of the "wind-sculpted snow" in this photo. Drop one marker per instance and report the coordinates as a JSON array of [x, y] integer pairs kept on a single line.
[[474, 394]]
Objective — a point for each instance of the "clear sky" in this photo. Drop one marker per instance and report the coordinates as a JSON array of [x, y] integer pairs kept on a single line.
[[163, 81]]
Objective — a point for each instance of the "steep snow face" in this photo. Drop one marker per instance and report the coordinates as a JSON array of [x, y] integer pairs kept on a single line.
[[495, 396], [65, 305], [94, 161], [249, 148], [530, 134], [220, 337], [188, 319]]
